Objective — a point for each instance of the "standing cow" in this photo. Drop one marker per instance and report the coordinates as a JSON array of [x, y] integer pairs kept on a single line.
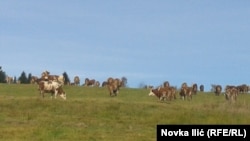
[[218, 90], [89, 82], [163, 93], [186, 92], [202, 88], [231, 94], [76, 80], [113, 85]]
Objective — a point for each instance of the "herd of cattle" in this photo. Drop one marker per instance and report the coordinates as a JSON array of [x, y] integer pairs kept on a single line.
[[167, 92], [53, 84]]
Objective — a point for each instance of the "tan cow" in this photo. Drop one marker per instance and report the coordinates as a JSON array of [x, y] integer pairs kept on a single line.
[[113, 85], [231, 94]]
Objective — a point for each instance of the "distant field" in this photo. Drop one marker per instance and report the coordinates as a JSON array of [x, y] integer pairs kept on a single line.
[[90, 114]]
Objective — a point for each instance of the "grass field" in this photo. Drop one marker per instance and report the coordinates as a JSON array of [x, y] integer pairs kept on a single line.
[[90, 114]]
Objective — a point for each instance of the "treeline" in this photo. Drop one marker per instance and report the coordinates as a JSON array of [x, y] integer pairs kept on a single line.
[[23, 78]]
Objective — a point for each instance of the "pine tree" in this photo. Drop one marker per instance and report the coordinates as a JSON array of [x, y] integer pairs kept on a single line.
[[2, 76], [23, 78], [67, 81]]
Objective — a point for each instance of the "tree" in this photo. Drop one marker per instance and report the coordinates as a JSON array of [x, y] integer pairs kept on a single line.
[[15, 80], [29, 77], [2, 76], [23, 78], [66, 77], [124, 81]]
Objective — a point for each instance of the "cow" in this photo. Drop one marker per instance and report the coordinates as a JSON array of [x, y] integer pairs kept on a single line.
[[76, 80], [53, 87], [47, 76], [113, 85], [231, 94], [97, 84], [202, 88], [195, 88], [242, 88], [104, 83], [163, 93], [89, 82], [218, 90], [186, 92], [113, 89], [9, 79], [33, 80], [166, 84]]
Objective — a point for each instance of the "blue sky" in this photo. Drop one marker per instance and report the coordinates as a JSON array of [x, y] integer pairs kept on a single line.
[[148, 42]]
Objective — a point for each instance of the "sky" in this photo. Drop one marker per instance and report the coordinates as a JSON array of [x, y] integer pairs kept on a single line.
[[147, 41]]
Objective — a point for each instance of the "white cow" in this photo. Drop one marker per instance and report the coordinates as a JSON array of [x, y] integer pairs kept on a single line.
[[52, 87]]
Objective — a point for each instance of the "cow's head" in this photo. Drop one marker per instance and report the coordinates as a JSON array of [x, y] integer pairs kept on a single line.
[[62, 93], [151, 93]]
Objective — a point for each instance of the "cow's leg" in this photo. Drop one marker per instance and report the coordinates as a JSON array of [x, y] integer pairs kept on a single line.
[[56, 92]]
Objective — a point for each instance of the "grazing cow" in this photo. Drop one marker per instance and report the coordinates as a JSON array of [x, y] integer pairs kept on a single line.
[[218, 90], [52, 87], [163, 93], [76, 80], [231, 94], [89, 82]]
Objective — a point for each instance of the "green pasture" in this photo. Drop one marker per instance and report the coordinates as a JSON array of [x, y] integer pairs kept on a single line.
[[90, 114]]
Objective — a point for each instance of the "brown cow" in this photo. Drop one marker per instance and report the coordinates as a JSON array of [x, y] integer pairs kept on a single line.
[[89, 82], [186, 92], [163, 93], [195, 88]]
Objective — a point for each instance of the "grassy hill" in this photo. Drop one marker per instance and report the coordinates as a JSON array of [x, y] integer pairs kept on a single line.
[[90, 114]]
